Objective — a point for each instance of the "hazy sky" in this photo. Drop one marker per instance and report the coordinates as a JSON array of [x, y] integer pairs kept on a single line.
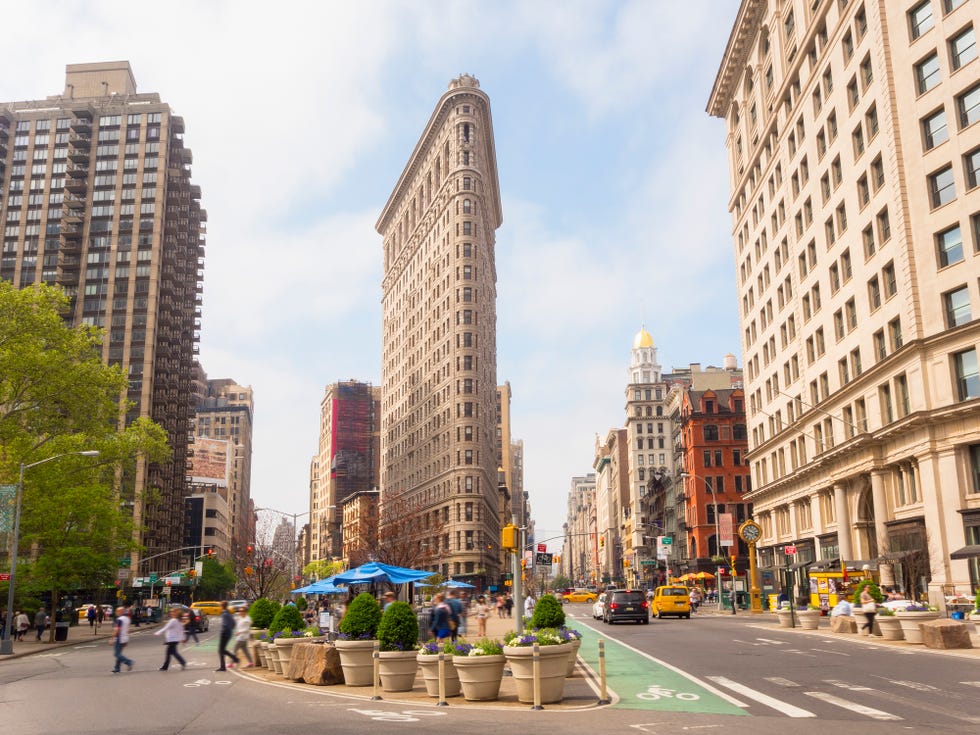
[[301, 117]]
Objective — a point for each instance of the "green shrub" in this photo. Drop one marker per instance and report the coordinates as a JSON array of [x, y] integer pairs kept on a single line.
[[288, 619], [547, 613], [399, 628], [262, 612], [872, 590], [361, 620], [301, 603], [976, 600]]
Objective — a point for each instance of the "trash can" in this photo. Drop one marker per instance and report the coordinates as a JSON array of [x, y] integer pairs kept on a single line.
[[61, 631]]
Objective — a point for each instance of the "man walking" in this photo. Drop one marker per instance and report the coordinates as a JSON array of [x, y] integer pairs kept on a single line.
[[456, 612], [227, 630], [40, 618], [120, 637]]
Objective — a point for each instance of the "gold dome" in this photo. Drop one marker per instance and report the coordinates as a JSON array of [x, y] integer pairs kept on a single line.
[[642, 339]]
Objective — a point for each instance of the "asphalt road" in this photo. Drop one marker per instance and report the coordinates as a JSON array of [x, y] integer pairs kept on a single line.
[[740, 675]]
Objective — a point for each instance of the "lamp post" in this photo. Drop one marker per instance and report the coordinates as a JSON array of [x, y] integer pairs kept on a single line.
[[7, 644]]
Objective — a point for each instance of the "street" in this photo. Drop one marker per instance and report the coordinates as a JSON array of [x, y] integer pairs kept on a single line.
[[739, 674]]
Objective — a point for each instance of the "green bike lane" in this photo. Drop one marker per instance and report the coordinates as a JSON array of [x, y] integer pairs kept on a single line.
[[643, 682]]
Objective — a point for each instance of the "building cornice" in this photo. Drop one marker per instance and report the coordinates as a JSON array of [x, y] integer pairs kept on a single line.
[[750, 15]]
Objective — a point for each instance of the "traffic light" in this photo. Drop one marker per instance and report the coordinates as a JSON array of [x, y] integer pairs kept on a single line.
[[556, 559], [191, 573], [249, 549], [508, 537], [626, 563], [210, 552], [523, 563], [602, 541]]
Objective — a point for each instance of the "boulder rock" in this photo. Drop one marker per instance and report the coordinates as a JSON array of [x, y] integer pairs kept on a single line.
[[298, 660], [843, 624], [946, 634], [321, 664]]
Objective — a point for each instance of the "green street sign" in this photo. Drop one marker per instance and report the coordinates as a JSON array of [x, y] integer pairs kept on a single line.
[[648, 562], [666, 541], [153, 578], [125, 561]]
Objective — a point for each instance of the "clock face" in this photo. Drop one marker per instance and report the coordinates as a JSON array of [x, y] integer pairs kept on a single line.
[[750, 532]]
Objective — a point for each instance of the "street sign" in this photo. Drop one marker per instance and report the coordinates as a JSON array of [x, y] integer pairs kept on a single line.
[[648, 562], [122, 574], [153, 578], [4, 577], [542, 548], [542, 559], [789, 550], [665, 540]]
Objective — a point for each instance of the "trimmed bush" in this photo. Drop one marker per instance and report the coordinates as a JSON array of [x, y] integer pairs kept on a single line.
[[362, 618], [301, 602], [547, 613], [288, 619], [262, 612], [872, 590], [399, 628]]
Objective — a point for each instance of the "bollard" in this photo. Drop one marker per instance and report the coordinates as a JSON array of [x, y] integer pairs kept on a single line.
[[536, 672], [442, 681], [603, 694], [376, 661]]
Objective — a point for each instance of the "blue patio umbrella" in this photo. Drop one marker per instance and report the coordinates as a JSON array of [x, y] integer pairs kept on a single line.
[[375, 571], [457, 585], [321, 587]]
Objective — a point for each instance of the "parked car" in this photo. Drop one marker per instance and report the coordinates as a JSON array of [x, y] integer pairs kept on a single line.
[[580, 595], [626, 605], [203, 621], [598, 605], [671, 600]]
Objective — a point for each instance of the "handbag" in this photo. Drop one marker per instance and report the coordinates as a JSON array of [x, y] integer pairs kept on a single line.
[[869, 607]]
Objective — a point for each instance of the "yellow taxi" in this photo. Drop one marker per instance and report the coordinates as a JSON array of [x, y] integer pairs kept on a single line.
[[671, 600], [580, 596], [207, 607]]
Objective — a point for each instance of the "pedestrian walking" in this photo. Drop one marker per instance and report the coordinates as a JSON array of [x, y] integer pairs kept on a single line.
[[440, 624], [99, 615], [509, 606], [500, 606], [389, 597], [173, 634], [227, 630], [40, 619], [456, 614], [480, 610], [695, 599], [243, 631], [120, 637], [21, 624], [868, 609], [90, 615], [190, 627]]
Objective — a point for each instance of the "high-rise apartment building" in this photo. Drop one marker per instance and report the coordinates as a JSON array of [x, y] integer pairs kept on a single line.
[[347, 461], [579, 555], [854, 155], [97, 198], [439, 369], [224, 413]]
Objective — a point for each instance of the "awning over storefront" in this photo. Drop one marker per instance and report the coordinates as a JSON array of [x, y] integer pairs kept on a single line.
[[833, 565], [967, 552]]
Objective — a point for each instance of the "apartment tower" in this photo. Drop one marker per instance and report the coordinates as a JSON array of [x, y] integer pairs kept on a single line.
[[439, 370], [97, 198], [854, 153]]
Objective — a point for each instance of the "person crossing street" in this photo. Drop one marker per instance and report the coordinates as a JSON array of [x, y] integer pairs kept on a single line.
[[227, 630]]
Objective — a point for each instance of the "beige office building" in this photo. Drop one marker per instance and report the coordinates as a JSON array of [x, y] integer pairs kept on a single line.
[[96, 197], [854, 153], [438, 411]]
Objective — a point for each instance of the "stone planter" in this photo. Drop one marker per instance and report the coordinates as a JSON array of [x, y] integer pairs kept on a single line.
[[573, 655], [809, 619], [273, 652], [479, 676], [554, 667], [258, 632], [397, 670], [910, 623], [890, 627], [357, 662], [260, 653], [785, 618], [430, 674]]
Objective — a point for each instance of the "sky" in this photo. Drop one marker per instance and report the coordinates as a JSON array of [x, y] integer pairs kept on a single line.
[[301, 117]]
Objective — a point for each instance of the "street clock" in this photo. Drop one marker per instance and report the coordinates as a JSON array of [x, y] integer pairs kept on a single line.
[[750, 532]]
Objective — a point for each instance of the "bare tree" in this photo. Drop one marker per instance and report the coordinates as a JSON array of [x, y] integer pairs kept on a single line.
[[401, 534]]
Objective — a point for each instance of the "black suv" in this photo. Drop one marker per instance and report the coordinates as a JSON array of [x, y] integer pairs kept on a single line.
[[626, 605]]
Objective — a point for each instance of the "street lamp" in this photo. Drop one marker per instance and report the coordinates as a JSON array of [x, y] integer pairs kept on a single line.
[[7, 644]]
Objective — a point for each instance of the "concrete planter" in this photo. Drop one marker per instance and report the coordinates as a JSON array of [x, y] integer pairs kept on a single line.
[[273, 652], [573, 655], [553, 669], [357, 662], [785, 618], [910, 623], [397, 670], [809, 619], [890, 627], [430, 673], [479, 676]]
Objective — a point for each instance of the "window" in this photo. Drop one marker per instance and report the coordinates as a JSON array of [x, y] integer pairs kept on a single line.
[[847, 44], [879, 345], [950, 246], [963, 48], [885, 402], [942, 188], [857, 139], [957, 307], [948, 7], [884, 226], [852, 93], [927, 74], [966, 375], [874, 294], [850, 314], [877, 173], [864, 192], [934, 129], [867, 75], [968, 106], [895, 333], [856, 361], [710, 433], [920, 19], [888, 277], [972, 163]]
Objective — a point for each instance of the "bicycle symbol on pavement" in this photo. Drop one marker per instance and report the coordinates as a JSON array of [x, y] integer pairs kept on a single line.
[[655, 692]]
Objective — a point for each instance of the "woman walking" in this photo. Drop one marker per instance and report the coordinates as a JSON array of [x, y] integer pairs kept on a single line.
[[480, 609], [243, 631], [173, 633], [869, 609], [441, 615]]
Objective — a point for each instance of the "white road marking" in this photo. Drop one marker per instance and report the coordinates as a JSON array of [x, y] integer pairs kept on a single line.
[[781, 682], [772, 642], [797, 651], [844, 685], [971, 683], [860, 709], [914, 685], [824, 650], [787, 709]]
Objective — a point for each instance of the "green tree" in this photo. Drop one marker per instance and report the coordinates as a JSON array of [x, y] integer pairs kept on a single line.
[[58, 398], [216, 580], [322, 568], [562, 582]]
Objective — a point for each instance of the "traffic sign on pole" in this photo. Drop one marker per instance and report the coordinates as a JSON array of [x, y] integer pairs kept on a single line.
[[789, 550]]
